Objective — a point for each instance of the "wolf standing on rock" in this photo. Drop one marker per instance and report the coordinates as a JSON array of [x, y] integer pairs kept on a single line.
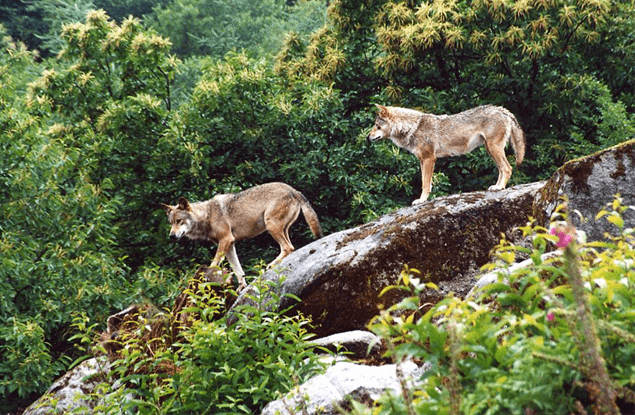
[[232, 217], [429, 137]]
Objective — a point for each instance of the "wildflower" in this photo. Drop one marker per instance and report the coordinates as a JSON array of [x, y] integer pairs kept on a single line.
[[550, 317], [563, 238]]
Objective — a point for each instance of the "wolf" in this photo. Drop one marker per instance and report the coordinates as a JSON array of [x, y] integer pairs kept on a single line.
[[228, 218], [430, 136]]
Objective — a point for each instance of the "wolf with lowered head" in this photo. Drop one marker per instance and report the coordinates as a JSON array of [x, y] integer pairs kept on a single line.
[[228, 218], [430, 136]]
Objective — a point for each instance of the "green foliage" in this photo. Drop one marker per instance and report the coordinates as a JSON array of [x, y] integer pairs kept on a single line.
[[94, 139], [58, 249], [57, 257], [122, 9], [213, 368], [22, 23], [17, 69], [111, 91], [102, 63], [243, 367], [215, 27], [551, 338], [608, 122], [539, 59], [55, 14]]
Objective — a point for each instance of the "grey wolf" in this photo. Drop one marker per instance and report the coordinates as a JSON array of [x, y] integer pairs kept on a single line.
[[429, 137], [228, 218]]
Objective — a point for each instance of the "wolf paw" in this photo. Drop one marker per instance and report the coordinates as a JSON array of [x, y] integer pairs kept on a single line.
[[418, 201], [495, 187]]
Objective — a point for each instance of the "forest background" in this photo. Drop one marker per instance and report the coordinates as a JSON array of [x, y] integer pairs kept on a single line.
[[110, 107]]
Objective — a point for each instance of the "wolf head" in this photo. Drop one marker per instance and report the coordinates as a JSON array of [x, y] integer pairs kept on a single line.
[[394, 123], [180, 217], [382, 123]]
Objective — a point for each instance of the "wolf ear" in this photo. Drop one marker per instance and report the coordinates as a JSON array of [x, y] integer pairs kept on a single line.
[[167, 208], [383, 111], [183, 204]]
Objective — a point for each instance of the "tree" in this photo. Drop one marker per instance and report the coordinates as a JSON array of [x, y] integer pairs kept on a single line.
[[57, 254], [112, 90], [55, 14], [22, 23], [119, 10], [215, 27], [539, 59]]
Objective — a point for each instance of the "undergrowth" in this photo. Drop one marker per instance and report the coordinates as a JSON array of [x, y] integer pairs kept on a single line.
[[194, 363], [552, 338]]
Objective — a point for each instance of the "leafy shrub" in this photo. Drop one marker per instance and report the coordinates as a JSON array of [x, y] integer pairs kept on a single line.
[[27, 365], [56, 254], [555, 337], [211, 367]]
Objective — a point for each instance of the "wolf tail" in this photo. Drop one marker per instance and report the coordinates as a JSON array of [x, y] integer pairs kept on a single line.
[[517, 139], [310, 216]]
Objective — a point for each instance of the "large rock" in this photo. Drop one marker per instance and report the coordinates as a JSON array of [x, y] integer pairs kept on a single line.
[[590, 183], [339, 278], [73, 390], [323, 394]]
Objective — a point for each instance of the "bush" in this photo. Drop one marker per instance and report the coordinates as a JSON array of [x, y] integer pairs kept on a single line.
[[552, 338], [211, 367]]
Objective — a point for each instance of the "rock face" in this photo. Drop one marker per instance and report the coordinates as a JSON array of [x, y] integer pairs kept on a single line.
[[323, 394], [356, 344], [339, 278], [590, 183], [70, 392]]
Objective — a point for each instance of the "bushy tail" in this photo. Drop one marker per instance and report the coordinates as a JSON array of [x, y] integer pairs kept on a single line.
[[518, 143], [517, 139], [311, 217]]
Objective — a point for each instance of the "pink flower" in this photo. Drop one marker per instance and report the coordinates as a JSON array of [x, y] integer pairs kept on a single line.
[[563, 238], [550, 317]]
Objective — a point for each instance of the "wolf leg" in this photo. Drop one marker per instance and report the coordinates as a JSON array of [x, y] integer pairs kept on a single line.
[[504, 168], [427, 168], [278, 221], [238, 270], [285, 245], [228, 249]]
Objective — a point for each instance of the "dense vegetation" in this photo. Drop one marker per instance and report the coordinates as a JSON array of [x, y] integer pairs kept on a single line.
[[553, 338], [104, 115]]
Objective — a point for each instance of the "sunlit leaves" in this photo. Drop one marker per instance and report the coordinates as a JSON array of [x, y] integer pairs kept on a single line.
[[530, 28], [105, 61]]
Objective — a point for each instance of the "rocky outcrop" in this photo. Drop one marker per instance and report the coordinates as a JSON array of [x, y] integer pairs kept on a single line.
[[70, 392], [589, 183], [324, 394], [339, 278]]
